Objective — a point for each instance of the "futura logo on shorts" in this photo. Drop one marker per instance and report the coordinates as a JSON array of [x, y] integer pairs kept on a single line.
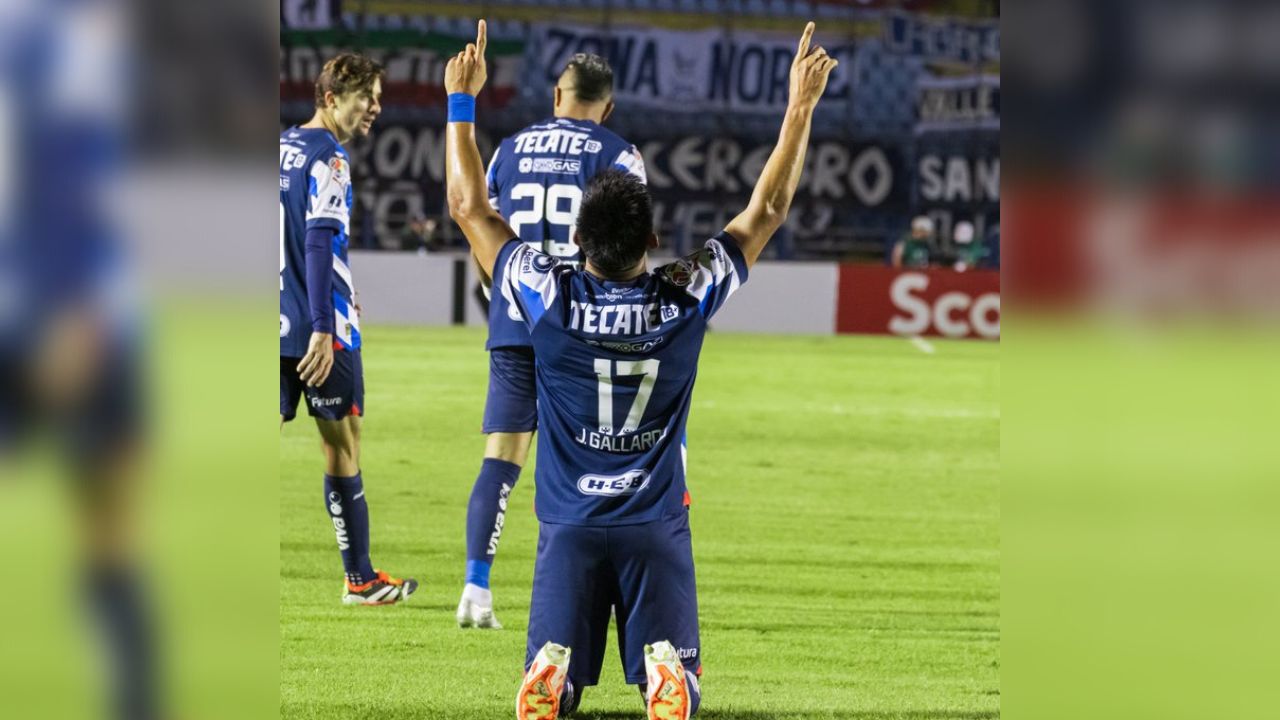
[[319, 402]]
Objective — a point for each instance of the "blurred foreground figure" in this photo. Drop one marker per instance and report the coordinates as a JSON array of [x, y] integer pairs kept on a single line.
[[69, 345], [319, 322]]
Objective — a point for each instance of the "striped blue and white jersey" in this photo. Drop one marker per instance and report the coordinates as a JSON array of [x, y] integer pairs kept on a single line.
[[615, 373], [536, 181], [315, 192]]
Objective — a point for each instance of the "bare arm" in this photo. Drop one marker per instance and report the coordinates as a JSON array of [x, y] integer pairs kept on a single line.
[[468, 193], [772, 196]]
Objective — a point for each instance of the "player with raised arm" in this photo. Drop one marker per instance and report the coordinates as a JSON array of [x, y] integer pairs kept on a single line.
[[617, 347], [536, 179], [319, 325]]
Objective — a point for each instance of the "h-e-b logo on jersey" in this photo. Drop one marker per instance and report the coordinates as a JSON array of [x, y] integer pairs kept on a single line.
[[628, 483]]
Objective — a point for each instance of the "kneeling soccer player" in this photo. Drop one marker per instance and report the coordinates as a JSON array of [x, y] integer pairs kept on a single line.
[[617, 348]]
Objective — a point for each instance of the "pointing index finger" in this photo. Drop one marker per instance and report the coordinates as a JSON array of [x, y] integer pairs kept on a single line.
[[482, 37], [804, 41]]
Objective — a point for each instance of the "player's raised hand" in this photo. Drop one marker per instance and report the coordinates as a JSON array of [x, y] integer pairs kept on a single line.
[[809, 72], [466, 71]]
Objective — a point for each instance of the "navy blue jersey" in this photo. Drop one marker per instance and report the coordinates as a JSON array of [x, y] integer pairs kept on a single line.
[[315, 192], [536, 180], [616, 362], [62, 127]]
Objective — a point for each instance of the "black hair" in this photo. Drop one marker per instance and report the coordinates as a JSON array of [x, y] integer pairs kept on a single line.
[[592, 77], [615, 221]]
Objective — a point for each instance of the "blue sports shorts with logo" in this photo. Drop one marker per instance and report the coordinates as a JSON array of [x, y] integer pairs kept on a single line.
[[512, 402], [341, 394], [643, 571]]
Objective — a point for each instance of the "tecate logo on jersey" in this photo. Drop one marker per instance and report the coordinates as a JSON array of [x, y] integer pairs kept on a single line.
[[559, 141], [628, 483]]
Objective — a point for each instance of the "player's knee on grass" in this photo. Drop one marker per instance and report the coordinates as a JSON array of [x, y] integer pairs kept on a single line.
[[508, 447]]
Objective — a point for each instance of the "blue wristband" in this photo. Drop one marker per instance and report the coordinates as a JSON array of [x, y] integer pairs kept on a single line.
[[462, 107]]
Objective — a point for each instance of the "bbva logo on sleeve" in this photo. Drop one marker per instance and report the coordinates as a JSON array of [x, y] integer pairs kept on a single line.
[[628, 483]]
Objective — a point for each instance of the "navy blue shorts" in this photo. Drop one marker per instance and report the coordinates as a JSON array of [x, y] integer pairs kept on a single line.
[[645, 571], [512, 403], [109, 416], [342, 393]]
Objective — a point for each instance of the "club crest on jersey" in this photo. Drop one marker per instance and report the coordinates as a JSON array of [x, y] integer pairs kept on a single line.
[[341, 169], [628, 483], [680, 273]]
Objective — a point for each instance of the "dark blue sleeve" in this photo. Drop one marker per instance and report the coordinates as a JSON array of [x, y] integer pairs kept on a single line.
[[734, 251], [319, 246]]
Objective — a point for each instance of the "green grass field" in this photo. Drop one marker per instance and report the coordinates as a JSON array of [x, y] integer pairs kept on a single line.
[[846, 507]]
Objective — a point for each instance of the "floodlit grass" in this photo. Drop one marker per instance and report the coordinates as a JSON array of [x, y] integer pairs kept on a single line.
[[846, 509]]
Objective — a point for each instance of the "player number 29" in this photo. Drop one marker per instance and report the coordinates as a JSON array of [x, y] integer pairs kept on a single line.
[[605, 371], [547, 205]]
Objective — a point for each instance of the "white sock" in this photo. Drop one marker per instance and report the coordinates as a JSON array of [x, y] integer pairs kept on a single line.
[[478, 595]]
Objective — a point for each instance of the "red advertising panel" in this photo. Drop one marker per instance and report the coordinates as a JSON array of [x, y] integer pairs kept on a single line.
[[911, 303]]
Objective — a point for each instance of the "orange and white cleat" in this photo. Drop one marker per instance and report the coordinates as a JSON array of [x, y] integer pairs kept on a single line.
[[539, 697], [668, 685], [382, 590]]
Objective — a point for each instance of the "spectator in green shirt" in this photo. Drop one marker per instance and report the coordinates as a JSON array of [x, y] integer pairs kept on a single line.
[[914, 250], [968, 254]]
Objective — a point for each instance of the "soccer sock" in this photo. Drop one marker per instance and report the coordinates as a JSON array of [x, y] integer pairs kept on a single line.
[[486, 513], [569, 698], [695, 692], [117, 603], [344, 499]]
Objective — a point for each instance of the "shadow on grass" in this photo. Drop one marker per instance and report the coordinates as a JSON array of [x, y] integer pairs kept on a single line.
[[808, 715], [347, 710]]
